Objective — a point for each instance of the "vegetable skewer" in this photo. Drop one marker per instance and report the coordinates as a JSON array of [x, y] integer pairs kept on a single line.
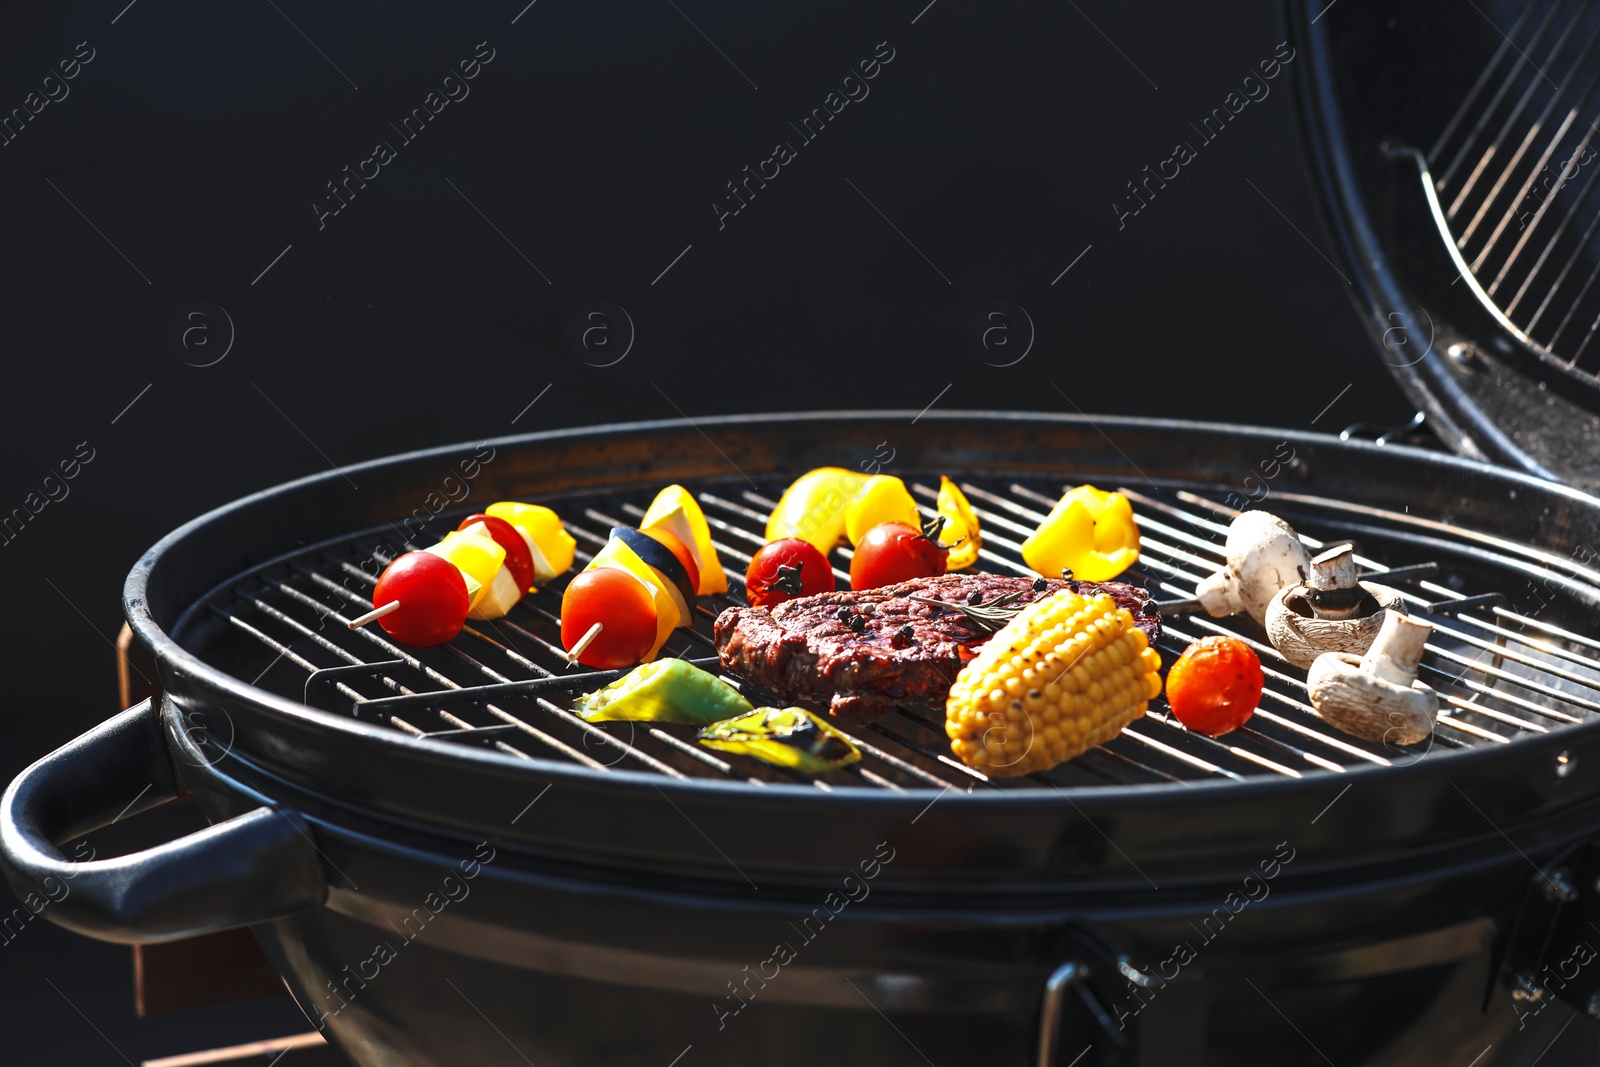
[[479, 570], [585, 641], [373, 616]]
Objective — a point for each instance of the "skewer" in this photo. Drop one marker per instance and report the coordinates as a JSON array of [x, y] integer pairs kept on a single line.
[[584, 642], [374, 615]]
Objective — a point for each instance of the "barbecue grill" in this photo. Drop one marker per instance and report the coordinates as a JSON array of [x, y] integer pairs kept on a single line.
[[448, 866]]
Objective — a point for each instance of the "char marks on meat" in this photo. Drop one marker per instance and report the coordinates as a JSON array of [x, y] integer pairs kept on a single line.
[[859, 653]]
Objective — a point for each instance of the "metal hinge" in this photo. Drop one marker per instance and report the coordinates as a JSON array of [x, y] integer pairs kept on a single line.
[[1553, 947]]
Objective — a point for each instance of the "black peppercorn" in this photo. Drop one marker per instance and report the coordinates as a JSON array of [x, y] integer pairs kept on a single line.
[[975, 597], [1040, 585]]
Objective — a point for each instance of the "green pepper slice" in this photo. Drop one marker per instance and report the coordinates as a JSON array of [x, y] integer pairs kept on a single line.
[[787, 737], [666, 690]]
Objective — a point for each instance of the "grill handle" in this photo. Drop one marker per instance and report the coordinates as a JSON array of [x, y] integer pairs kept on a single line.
[[257, 866]]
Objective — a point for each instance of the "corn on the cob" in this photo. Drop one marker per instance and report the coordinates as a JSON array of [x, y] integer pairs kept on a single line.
[[1068, 673]]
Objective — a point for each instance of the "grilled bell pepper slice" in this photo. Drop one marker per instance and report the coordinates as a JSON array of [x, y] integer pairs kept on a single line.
[[677, 511], [883, 498], [787, 737], [552, 547], [1089, 532], [616, 553], [813, 507], [476, 553], [668, 690], [670, 572], [960, 532]]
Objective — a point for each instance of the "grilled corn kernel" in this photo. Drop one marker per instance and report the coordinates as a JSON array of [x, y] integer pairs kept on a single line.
[[1068, 673]]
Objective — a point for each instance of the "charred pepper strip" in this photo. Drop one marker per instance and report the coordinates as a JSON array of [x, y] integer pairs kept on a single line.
[[787, 737], [667, 690]]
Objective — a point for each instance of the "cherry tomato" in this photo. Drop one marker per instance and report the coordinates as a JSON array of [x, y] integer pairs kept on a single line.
[[519, 560], [1215, 685], [785, 569], [619, 601], [432, 595], [894, 552], [675, 545]]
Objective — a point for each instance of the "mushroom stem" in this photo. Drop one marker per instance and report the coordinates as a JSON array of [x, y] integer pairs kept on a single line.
[[1397, 650], [1378, 697], [1264, 555], [1219, 594], [1333, 569], [1331, 587]]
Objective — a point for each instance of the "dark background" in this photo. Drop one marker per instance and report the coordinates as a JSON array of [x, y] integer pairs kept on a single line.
[[436, 305]]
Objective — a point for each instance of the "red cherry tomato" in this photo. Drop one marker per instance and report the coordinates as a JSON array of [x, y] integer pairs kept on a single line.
[[675, 545], [785, 569], [432, 595], [894, 552], [519, 561], [1215, 685], [619, 601]]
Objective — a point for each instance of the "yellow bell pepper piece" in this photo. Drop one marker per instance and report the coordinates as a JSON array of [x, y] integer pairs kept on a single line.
[[1089, 532], [617, 554], [553, 547], [960, 530], [813, 508], [884, 498], [476, 553], [677, 511]]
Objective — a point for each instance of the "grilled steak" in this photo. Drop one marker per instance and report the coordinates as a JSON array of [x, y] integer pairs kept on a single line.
[[858, 654]]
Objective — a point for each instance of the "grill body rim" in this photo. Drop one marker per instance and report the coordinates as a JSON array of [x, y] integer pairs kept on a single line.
[[1026, 833]]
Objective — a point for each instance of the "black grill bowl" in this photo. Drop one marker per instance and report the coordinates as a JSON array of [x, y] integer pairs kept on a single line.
[[434, 903]]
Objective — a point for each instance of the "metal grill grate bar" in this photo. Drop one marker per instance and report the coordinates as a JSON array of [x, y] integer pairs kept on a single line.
[[1500, 650], [1534, 84], [296, 616], [1516, 68], [1544, 117]]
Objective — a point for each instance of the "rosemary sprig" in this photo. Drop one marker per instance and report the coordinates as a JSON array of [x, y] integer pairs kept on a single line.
[[987, 617]]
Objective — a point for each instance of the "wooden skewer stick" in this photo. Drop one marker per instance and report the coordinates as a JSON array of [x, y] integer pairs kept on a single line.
[[584, 642], [374, 615]]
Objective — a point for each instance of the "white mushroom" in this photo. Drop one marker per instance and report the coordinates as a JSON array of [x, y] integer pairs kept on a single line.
[[1377, 697], [1330, 611], [1264, 556]]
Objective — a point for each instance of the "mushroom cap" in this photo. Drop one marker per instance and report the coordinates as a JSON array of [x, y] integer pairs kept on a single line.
[[1366, 706], [1264, 556], [1301, 637]]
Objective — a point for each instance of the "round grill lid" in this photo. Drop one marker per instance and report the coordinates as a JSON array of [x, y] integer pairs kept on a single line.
[[1459, 163]]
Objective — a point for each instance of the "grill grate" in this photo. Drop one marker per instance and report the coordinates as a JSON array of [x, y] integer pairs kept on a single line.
[[1500, 673], [1517, 168]]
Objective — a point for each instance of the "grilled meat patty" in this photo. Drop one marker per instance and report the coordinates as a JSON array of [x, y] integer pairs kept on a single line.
[[858, 654]]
